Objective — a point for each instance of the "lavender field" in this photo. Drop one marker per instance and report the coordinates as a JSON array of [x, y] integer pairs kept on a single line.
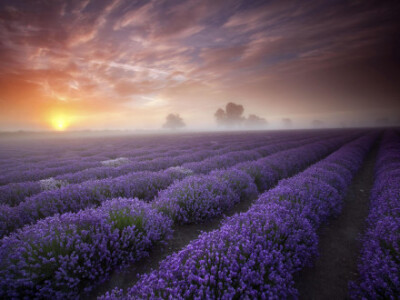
[[199, 216], [184, 149]]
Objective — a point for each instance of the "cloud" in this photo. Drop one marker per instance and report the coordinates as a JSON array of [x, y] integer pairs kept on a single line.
[[139, 17], [193, 57], [127, 88]]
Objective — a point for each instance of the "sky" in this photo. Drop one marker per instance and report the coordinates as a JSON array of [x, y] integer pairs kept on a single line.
[[120, 64]]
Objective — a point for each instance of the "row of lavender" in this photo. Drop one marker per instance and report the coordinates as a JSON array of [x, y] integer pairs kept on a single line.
[[201, 197], [162, 161], [379, 263], [53, 165], [14, 193], [64, 255], [255, 254], [53, 151], [144, 185], [54, 159]]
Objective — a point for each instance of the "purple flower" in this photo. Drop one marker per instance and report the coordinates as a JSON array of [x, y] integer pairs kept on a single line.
[[63, 255], [379, 261], [196, 198]]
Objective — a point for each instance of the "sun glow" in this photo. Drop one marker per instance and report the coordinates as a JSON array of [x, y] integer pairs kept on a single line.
[[59, 123]]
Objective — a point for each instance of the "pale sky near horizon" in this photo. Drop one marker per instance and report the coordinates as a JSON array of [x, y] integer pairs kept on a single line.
[[122, 64]]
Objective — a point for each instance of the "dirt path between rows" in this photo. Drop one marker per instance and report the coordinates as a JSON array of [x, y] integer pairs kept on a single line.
[[339, 244]]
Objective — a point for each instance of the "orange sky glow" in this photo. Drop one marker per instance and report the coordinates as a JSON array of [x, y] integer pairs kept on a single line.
[[118, 64]]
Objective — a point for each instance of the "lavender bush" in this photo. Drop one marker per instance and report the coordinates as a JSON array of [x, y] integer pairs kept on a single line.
[[14, 193], [61, 256], [240, 182], [196, 198], [305, 196], [222, 161], [379, 262]]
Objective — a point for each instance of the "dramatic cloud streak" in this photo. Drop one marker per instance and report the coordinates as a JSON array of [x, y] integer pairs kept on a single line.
[[125, 64]]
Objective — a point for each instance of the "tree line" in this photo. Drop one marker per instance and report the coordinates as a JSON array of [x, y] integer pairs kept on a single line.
[[232, 116]]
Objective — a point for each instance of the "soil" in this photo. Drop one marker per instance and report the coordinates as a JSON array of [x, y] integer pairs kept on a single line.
[[339, 243]]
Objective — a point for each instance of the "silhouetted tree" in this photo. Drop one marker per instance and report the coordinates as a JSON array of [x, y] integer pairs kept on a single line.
[[220, 115], [231, 116], [287, 122], [174, 121], [255, 121]]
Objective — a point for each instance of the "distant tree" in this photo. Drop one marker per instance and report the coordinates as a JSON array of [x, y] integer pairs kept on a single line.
[[174, 121], [317, 123], [234, 112], [231, 116], [255, 121], [220, 116], [287, 122]]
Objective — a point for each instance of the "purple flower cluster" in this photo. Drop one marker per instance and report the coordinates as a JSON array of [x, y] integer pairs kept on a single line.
[[379, 262], [204, 196], [240, 182], [14, 193], [222, 161], [43, 172], [143, 185], [255, 254], [267, 171], [64, 255]]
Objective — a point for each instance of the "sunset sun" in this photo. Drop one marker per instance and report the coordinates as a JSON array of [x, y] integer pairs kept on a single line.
[[59, 123]]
